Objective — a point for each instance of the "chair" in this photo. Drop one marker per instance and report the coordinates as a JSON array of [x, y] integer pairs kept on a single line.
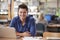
[[51, 35], [40, 29]]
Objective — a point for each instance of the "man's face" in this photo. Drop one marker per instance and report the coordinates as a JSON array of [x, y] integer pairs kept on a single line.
[[22, 13]]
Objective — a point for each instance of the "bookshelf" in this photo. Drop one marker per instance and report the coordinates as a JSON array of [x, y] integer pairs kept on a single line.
[[4, 10]]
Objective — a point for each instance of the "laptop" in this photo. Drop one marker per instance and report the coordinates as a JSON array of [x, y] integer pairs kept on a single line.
[[7, 32]]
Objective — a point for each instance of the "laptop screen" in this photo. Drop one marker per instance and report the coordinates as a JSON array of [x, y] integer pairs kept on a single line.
[[48, 17]]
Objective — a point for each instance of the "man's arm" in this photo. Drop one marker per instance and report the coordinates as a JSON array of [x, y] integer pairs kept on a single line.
[[33, 28], [19, 34], [23, 34], [12, 23]]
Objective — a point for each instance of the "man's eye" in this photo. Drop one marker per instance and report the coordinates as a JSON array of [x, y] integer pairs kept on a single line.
[[20, 12], [24, 12]]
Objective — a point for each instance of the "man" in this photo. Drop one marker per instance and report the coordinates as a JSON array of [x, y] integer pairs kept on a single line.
[[24, 24]]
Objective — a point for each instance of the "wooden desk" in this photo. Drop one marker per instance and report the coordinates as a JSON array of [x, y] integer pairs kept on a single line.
[[10, 39], [51, 35], [14, 39], [53, 27]]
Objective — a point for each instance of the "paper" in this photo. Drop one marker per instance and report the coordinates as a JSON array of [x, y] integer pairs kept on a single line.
[[32, 38]]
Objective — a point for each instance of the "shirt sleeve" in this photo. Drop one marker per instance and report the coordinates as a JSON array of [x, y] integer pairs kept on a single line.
[[12, 23], [33, 28]]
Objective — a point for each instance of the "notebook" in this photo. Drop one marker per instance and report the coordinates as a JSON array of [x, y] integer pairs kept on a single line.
[[32, 38]]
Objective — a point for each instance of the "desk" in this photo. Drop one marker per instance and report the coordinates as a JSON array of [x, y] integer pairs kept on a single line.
[[51, 35], [20, 39], [53, 28], [10, 39]]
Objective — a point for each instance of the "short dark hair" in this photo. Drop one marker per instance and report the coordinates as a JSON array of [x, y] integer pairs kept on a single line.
[[23, 6]]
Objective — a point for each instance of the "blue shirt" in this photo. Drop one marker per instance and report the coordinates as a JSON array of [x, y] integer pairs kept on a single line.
[[29, 25]]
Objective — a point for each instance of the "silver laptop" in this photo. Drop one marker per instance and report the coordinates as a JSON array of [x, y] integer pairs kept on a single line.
[[7, 32]]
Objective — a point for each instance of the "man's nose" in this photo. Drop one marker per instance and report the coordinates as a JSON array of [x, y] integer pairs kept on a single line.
[[22, 13]]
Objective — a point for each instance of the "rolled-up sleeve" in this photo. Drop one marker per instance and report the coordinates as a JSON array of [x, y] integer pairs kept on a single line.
[[33, 28]]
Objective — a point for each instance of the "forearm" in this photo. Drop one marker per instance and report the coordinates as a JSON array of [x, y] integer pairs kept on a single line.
[[23, 34], [19, 34]]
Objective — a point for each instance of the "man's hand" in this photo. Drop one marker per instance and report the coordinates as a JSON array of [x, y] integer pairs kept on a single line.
[[23, 34], [26, 34], [17, 33]]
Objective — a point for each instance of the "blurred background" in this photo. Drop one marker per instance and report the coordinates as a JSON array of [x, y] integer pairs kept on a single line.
[[49, 8]]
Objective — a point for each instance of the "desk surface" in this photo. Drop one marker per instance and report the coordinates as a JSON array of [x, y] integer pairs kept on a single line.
[[51, 35], [15, 39], [9, 39]]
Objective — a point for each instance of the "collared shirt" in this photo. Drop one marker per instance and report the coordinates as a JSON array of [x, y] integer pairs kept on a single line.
[[29, 25]]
